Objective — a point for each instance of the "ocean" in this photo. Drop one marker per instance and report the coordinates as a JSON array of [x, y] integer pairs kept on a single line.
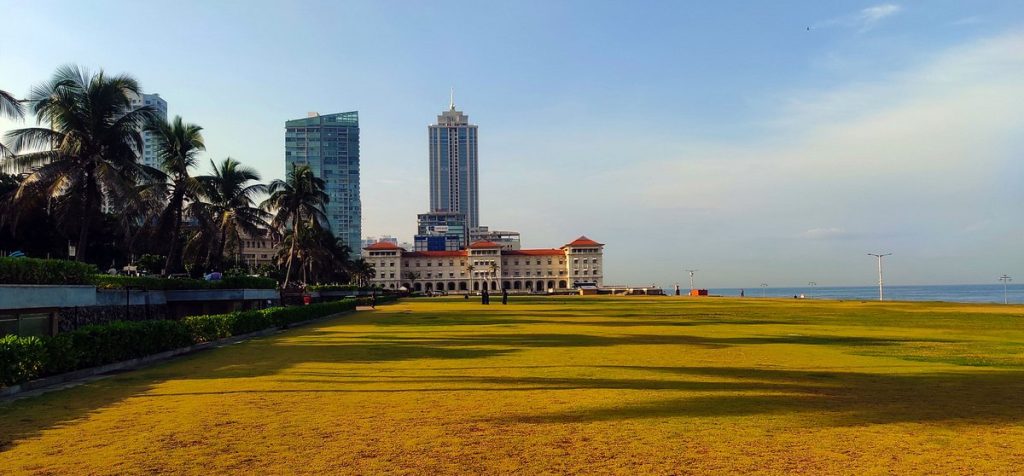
[[980, 293]]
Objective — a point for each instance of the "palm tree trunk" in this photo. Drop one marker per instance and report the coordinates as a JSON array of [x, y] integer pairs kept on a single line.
[[219, 258], [291, 250], [83, 234], [172, 264]]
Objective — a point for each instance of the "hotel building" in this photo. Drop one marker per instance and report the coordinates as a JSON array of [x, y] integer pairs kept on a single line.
[[487, 265]]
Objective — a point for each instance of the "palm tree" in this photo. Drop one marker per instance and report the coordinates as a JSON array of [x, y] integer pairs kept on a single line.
[[363, 271], [230, 200], [88, 154], [10, 108], [299, 205], [177, 145]]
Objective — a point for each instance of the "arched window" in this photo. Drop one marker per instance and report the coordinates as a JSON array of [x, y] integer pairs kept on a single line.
[[451, 286], [462, 286], [561, 284]]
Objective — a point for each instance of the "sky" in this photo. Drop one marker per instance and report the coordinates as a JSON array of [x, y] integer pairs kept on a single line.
[[758, 142]]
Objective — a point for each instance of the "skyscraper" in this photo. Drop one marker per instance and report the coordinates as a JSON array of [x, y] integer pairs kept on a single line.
[[329, 144], [453, 166], [149, 156]]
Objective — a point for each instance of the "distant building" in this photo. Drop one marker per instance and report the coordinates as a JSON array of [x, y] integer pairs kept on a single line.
[[149, 153], [453, 166], [257, 250], [509, 240], [439, 231], [378, 239], [329, 144], [487, 265]]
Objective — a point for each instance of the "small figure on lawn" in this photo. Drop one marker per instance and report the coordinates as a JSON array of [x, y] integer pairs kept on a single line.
[[504, 296]]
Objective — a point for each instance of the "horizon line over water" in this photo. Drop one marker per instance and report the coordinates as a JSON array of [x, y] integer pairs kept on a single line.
[[964, 293]]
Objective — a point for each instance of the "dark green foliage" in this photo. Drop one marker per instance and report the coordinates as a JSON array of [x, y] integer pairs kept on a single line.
[[123, 340], [151, 264], [333, 287], [21, 359], [44, 271], [209, 327], [25, 358], [155, 283]]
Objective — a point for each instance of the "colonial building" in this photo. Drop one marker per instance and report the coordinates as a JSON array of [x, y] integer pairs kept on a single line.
[[486, 265]]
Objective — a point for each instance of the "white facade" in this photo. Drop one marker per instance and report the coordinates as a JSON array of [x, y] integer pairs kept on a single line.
[[486, 265], [149, 156]]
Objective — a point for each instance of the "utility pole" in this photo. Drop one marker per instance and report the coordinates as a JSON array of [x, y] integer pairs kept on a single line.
[[764, 287], [691, 271], [879, 256], [1005, 279]]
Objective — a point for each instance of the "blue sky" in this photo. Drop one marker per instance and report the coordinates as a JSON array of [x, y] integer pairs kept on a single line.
[[723, 136]]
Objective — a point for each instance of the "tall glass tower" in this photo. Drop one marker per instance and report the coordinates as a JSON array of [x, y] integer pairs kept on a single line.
[[330, 145], [453, 166]]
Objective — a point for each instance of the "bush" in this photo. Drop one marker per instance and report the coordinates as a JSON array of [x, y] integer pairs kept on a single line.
[[209, 328], [21, 359], [25, 358], [333, 287], [285, 316], [163, 284], [123, 340], [44, 271]]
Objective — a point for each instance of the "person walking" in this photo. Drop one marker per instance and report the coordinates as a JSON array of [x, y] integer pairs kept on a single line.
[[504, 296], [373, 299]]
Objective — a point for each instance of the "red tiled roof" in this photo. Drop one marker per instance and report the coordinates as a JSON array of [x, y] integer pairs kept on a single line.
[[382, 245], [584, 241], [484, 244], [433, 254], [551, 252]]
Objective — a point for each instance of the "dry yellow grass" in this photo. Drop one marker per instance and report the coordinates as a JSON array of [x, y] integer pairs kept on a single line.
[[563, 385]]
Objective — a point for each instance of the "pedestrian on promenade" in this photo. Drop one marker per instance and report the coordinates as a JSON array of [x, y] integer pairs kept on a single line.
[[373, 299], [485, 298], [504, 296]]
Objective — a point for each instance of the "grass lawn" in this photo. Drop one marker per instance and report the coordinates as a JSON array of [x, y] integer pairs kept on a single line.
[[605, 385]]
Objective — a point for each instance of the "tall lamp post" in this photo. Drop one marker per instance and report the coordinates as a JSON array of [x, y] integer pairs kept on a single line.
[[879, 256], [812, 284], [764, 287], [691, 271], [1005, 279]]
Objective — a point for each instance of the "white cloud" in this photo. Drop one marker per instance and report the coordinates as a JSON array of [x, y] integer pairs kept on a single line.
[[863, 20], [825, 234], [905, 161], [872, 15]]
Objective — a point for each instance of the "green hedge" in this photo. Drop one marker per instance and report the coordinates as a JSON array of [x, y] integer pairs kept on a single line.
[[155, 283], [44, 271], [21, 358], [332, 287], [26, 358]]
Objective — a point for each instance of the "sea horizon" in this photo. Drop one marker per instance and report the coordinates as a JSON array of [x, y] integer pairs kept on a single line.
[[956, 293]]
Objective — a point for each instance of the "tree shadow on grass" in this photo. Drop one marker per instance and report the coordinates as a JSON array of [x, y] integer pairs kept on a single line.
[[829, 398]]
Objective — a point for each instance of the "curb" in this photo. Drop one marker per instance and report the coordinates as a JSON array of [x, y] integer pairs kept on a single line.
[[56, 382]]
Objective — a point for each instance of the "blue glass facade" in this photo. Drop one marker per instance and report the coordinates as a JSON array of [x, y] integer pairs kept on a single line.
[[329, 144]]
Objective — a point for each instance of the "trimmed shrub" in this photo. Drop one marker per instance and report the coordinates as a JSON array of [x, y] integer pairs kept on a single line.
[[44, 271], [156, 283], [122, 340], [21, 359], [333, 287], [209, 328], [25, 358]]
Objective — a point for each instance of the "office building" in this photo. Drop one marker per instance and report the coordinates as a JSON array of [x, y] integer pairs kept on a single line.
[[329, 144], [439, 231], [453, 166], [509, 240]]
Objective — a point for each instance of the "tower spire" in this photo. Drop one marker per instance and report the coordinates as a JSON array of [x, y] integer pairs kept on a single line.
[[451, 100]]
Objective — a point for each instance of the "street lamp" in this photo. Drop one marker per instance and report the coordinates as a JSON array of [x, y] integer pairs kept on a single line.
[[812, 284], [764, 286], [691, 271], [879, 256], [1005, 279]]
